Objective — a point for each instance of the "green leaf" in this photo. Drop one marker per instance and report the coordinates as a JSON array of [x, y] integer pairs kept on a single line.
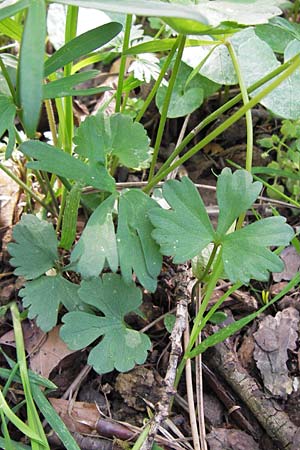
[[44, 295], [245, 254], [253, 65], [69, 225], [7, 117], [169, 322], [218, 317], [64, 86], [275, 36], [236, 193], [186, 229], [35, 248], [11, 28], [31, 67], [146, 8], [120, 348], [284, 101], [138, 252], [102, 135], [8, 10], [54, 160], [53, 419], [185, 99], [98, 243], [229, 330], [81, 46]]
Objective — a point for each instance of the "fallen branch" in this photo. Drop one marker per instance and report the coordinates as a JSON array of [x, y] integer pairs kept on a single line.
[[183, 296], [267, 411]]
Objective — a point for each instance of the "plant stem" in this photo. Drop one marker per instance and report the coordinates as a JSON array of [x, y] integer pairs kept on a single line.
[[198, 319], [226, 124], [26, 189], [165, 108], [158, 81], [123, 62], [248, 115], [51, 121], [8, 80]]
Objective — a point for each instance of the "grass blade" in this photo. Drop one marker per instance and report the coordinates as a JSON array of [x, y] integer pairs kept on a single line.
[[31, 67]]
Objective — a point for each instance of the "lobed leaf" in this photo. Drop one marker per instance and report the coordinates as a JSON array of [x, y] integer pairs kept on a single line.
[[101, 135], [35, 248], [54, 160], [44, 295], [186, 229], [245, 254], [138, 252], [236, 192], [98, 243], [120, 348]]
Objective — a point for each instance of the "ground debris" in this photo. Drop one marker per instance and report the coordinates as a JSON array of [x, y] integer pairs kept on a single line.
[[229, 439], [275, 336]]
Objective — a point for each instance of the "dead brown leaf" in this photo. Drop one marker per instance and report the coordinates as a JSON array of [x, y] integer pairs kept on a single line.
[[291, 259], [223, 438], [275, 336]]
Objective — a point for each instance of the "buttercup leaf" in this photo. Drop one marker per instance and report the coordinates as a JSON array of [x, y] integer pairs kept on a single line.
[[54, 160], [35, 248], [101, 135], [186, 229], [245, 252], [44, 295], [120, 348], [138, 252], [98, 243], [236, 192]]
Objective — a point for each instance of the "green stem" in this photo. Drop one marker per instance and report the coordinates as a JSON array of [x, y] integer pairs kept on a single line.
[[26, 189], [198, 319], [248, 115], [70, 33], [123, 62], [8, 80], [157, 83], [213, 116], [245, 97], [230, 121], [165, 108]]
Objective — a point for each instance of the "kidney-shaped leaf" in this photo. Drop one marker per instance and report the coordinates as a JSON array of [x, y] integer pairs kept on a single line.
[[98, 242], [284, 101], [253, 65], [121, 347], [138, 252], [35, 248], [245, 253], [44, 295], [54, 160], [236, 192], [186, 99], [184, 230], [102, 135]]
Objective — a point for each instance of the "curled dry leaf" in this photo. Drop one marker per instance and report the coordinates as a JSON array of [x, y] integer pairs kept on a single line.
[[221, 438], [275, 336], [291, 259]]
